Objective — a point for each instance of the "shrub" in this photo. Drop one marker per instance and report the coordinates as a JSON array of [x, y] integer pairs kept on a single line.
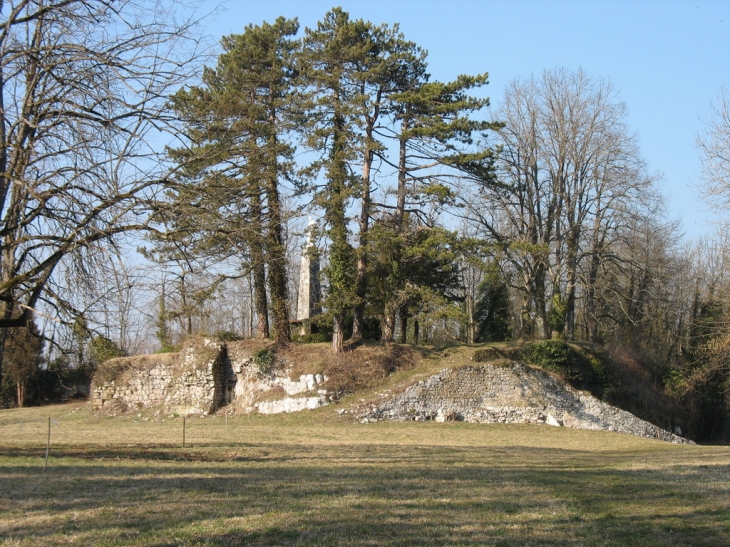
[[313, 338], [552, 355], [581, 369], [264, 359]]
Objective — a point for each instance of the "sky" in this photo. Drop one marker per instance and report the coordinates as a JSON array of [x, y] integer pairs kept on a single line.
[[667, 59]]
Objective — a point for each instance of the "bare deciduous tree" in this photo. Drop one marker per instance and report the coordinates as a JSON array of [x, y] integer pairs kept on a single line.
[[567, 163], [714, 147], [83, 88]]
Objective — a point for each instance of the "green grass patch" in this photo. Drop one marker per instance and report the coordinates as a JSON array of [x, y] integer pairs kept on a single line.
[[316, 478]]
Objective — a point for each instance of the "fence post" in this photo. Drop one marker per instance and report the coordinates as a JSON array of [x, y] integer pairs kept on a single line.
[[48, 445]]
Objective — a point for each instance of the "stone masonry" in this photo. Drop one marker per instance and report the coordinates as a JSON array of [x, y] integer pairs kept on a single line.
[[189, 382], [512, 394], [208, 375], [309, 287], [204, 377], [257, 392]]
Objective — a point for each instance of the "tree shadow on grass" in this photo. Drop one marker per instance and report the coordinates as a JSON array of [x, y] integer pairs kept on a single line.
[[359, 496]]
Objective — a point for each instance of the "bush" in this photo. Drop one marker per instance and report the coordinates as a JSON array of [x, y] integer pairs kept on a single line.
[[313, 338], [227, 336], [552, 355], [582, 370], [264, 359]]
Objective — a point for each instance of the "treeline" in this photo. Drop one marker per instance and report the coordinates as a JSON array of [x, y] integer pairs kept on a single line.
[[437, 218], [346, 122], [428, 203]]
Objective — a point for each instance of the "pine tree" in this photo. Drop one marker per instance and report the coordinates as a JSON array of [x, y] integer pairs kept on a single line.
[[434, 126], [331, 57], [236, 159]]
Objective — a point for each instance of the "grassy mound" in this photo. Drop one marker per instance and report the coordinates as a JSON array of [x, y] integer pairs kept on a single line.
[[367, 366]]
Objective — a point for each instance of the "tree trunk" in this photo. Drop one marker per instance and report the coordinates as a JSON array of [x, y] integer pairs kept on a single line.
[[258, 261], [338, 334], [388, 322], [591, 311], [416, 330], [340, 274], [403, 327], [276, 254], [470, 326], [539, 295], [400, 206], [278, 288], [362, 251], [570, 300], [362, 257], [3, 336], [388, 327], [260, 303]]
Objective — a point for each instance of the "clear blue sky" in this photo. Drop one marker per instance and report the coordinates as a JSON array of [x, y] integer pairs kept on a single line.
[[667, 59]]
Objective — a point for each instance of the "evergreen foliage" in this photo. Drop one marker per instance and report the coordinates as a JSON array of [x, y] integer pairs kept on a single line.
[[22, 357], [226, 202], [492, 310]]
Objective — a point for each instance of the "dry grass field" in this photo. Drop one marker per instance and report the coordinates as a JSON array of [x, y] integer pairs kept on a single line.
[[317, 478]]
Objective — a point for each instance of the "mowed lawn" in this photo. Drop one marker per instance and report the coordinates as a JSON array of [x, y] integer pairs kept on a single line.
[[316, 478]]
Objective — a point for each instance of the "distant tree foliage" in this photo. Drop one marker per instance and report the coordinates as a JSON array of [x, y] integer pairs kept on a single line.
[[714, 146], [492, 313], [570, 180], [22, 354]]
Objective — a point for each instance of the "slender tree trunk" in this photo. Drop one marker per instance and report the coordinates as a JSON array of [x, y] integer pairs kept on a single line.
[[338, 334], [21, 394], [340, 251], [388, 322], [362, 251], [3, 336], [400, 206], [526, 322], [591, 305], [591, 311], [403, 327], [278, 286], [539, 295], [262, 308], [470, 326], [259, 275], [571, 278], [251, 305], [388, 326], [416, 331], [187, 314]]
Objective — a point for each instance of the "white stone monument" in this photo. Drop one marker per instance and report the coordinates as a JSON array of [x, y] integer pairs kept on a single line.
[[309, 289]]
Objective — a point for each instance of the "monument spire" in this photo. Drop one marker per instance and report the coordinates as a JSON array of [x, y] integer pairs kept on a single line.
[[309, 290]]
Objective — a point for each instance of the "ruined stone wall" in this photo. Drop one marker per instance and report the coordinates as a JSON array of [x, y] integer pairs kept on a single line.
[[208, 375], [271, 392], [191, 381], [204, 377], [512, 394]]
